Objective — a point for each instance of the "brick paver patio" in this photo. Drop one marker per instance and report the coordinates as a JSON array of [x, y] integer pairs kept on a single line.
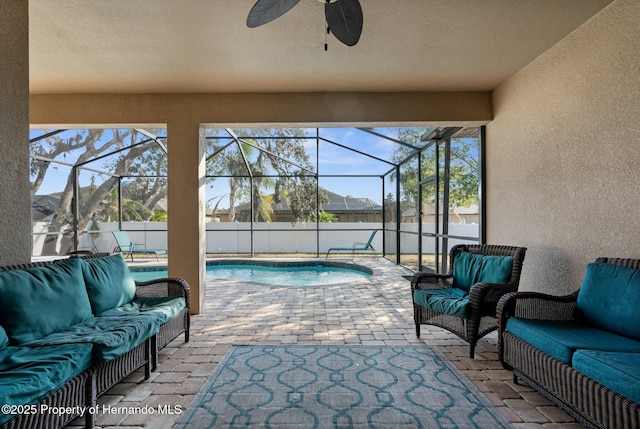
[[377, 311]]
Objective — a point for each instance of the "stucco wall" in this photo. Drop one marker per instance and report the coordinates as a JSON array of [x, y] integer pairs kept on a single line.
[[563, 152], [15, 204]]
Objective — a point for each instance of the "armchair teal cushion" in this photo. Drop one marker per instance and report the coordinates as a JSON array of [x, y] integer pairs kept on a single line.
[[469, 269], [38, 301], [109, 282], [452, 301], [609, 297]]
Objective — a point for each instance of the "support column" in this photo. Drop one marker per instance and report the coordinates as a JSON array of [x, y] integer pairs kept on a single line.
[[15, 192], [186, 214]]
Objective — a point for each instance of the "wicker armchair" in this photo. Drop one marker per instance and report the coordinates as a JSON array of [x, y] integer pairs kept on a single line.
[[470, 314]]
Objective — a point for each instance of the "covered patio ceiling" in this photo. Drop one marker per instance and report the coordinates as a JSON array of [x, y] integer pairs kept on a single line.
[[204, 46]]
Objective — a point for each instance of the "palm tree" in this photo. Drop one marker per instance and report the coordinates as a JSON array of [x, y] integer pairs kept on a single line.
[[264, 169]]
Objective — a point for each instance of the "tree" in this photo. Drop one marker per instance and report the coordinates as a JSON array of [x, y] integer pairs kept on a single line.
[[227, 158], [324, 217], [159, 216], [117, 152], [390, 207], [278, 168], [464, 171]]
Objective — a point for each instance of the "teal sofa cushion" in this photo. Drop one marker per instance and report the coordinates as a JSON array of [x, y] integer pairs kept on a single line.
[[617, 371], [112, 335], [560, 339], [109, 282], [166, 308], [469, 269], [4, 340], [452, 301], [28, 375], [609, 297], [38, 301]]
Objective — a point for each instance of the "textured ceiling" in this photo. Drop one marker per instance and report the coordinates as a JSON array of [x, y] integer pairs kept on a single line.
[[153, 46]]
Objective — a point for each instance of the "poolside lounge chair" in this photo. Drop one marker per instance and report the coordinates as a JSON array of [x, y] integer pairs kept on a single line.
[[125, 245], [357, 247]]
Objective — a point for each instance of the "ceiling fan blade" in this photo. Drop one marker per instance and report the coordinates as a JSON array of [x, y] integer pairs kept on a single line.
[[267, 10], [344, 18]]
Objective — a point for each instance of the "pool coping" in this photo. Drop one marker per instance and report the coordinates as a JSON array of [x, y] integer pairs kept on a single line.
[[301, 263]]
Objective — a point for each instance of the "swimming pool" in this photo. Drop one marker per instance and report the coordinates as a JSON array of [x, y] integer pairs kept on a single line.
[[302, 273]]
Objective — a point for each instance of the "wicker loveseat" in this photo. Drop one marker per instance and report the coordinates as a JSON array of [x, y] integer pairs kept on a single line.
[[581, 351], [73, 328]]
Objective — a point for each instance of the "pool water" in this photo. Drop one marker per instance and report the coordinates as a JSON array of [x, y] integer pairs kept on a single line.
[[281, 275]]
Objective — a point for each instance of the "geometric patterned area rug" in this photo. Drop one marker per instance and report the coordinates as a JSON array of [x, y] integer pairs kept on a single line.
[[338, 387]]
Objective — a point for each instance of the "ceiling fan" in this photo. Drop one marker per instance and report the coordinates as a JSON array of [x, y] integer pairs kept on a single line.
[[344, 17]]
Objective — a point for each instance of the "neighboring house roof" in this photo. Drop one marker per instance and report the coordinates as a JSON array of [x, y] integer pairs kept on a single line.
[[43, 207], [337, 204]]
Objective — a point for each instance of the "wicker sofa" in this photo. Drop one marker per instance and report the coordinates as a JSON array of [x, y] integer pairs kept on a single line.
[[582, 351], [71, 329]]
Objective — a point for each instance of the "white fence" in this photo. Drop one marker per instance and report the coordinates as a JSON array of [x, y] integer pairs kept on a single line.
[[410, 246], [276, 237]]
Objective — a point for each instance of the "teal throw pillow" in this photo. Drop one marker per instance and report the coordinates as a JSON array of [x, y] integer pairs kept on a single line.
[[38, 301], [470, 268], [109, 282], [608, 298]]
